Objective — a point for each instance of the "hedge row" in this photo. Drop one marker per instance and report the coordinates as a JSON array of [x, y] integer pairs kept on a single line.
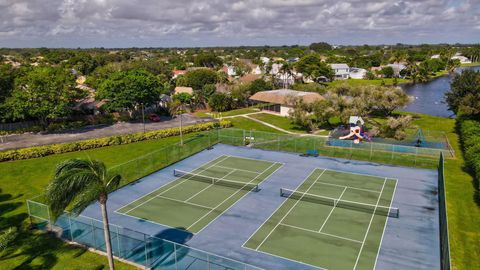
[[470, 136], [42, 151]]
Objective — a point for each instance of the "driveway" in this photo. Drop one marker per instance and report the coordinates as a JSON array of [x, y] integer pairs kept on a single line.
[[35, 139]]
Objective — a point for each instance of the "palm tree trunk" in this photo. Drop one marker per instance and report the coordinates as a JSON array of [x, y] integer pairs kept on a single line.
[[106, 231]]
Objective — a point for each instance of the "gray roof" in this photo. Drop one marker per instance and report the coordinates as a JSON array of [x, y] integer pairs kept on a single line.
[[339, 66]]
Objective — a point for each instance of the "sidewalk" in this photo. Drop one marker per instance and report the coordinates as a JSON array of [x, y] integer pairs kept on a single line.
[[35, 139]]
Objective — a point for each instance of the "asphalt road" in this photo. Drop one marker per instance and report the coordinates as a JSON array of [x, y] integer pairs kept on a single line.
[[34, 139]]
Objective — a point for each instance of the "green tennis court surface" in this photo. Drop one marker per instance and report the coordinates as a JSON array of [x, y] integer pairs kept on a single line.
[[196, 198], [334, 220]]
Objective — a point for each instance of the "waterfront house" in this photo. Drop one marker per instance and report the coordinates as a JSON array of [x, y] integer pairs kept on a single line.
[[342, 71]]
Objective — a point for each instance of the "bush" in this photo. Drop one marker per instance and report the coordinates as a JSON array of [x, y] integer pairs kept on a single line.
[[470, 137], [42, 151]]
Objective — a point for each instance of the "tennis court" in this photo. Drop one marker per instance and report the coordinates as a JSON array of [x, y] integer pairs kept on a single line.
[[333, 220], [196, 198]]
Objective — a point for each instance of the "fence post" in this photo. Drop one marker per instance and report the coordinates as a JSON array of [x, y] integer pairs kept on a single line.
[[146, 250], [278, 142], [50, 226], [393, 150], [93, 235], [29, 213], [371, 150], [118, 243], [244, 138], [70, 227]]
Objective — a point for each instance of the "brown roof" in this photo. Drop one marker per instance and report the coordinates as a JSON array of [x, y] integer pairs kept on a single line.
[[250, 78], [283, 96]]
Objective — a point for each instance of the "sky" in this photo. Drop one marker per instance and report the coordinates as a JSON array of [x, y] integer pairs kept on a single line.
[[202, 23]]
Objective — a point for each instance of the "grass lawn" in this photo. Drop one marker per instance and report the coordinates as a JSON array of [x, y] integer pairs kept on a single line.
[[463, 211], [247, 124], [354, 82], [23, 179], [228, 113], [471, 64], [279, 121]]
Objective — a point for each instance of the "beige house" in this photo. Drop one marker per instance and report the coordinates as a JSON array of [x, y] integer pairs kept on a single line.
[[279, 101], [183, 89]]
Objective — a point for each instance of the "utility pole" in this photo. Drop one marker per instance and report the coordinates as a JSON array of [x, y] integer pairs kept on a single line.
[[143, 117]]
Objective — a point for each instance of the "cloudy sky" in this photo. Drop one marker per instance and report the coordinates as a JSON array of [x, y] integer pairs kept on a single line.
[[189, 23]]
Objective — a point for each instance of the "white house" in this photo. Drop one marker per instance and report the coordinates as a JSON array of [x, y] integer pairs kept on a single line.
[[358, 73], [397, 68], [275, 68], [342, 71], [279, 101], [463, 59], [435, 56], [265, 60]]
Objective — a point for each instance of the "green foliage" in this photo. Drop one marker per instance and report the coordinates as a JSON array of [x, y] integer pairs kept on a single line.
[[310, 87], [320, 47], [184, 98], [312, 66], [208, 90], [464, 95], [128, 89], [200, 77], [259, 85], [7, 77], [7, 237], [208, 60], [387, 72], [470, 137], [396, 127], [370, 76], [220, 102], [42, 151], [44, 93]]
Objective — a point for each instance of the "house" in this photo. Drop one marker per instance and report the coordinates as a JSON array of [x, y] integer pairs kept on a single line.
[[275, 68], [230, 70], [358, 73], [183, 89], [342, 71], [177, 73], [280, 101], [435, 56], [249, 78], [397, 68], [462, 59], [265, 60]]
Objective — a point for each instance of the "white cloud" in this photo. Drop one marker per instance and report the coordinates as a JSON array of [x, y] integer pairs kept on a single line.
[[217, 22]]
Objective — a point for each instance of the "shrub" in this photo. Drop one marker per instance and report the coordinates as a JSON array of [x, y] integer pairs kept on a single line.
[[470, 137], [42, 151]]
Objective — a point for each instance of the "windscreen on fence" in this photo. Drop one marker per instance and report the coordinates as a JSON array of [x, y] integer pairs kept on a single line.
[[381, 153], [136, 247], [444, 241]]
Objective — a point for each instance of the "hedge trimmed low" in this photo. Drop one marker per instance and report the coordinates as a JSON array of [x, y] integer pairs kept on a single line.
[[46, 150]]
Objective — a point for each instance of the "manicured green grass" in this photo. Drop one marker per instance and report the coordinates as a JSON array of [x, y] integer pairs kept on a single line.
[[23, 179], [462, 206], [279, 121], [471, 64], [354, 82], [248, 124], [228, 113]]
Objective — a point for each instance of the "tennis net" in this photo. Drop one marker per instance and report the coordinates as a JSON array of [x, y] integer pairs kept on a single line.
[[364, 207], [215, 181]]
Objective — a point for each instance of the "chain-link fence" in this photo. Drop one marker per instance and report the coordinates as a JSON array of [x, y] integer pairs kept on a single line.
[[375, 152], [444, 242], [136, 247]]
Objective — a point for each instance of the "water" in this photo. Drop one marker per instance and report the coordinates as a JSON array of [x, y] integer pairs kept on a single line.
[[429, 97]]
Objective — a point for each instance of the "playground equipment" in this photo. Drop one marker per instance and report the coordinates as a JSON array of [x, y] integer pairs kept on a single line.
[[356, 130]]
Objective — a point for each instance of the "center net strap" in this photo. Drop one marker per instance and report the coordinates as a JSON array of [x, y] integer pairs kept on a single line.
[[363, 207], [215, 181]]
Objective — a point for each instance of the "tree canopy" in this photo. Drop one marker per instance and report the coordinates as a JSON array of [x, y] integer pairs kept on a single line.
[[464, 95], [128, 89], [43, 93], [312, 66], [200, 77]]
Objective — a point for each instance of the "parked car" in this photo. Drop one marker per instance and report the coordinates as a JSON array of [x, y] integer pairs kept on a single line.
[[154, 118]]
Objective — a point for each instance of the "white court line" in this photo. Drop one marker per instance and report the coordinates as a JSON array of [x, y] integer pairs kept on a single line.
[[203, 189], [281, 165], [242, 170], [229, 198], [333, 208], [284, 258], [369, 225], [290, 210], [384, 227], [273, 213], [257, 159], [363, 189], [175, 200], [169, 187], [317, 232]]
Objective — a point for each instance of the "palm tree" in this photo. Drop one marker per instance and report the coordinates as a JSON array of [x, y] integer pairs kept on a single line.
[[177, 107], [81, 182], [287, 71]]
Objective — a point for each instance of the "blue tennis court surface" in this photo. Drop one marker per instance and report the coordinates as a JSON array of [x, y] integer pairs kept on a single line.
[[222, 219]]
